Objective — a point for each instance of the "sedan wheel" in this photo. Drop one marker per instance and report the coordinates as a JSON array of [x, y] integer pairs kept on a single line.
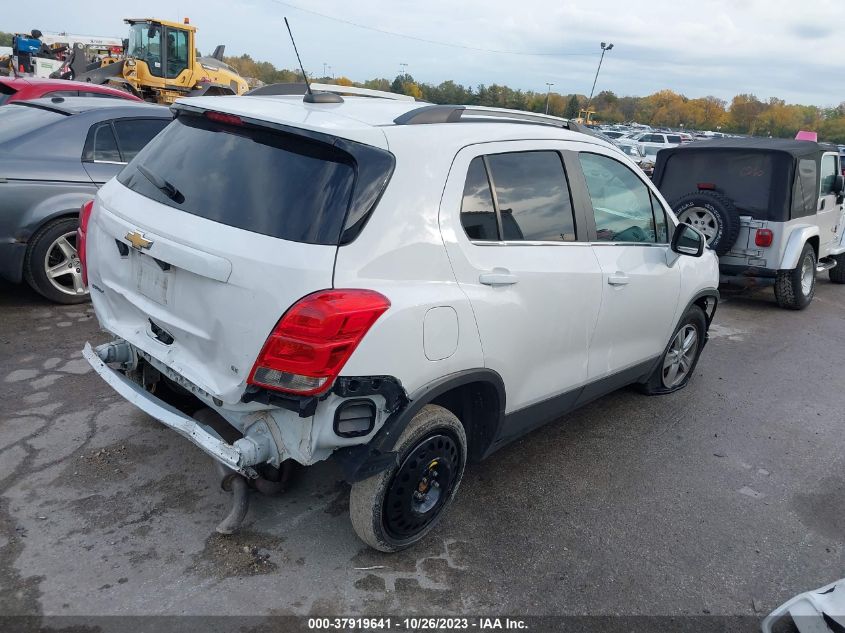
[[62, 266], [52, 266]]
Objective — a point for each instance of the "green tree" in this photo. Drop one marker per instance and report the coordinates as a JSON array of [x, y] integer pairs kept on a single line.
[[573, 106], [6, 38]]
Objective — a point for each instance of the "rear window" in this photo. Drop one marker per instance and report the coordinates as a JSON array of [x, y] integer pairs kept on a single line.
[[277, 184], [6, 91], [19, 120], [744, 177]]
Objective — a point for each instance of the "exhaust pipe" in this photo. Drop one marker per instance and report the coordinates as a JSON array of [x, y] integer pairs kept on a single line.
[[236, 484]]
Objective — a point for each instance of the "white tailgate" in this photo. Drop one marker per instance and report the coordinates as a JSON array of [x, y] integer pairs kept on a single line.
[[219, 298]]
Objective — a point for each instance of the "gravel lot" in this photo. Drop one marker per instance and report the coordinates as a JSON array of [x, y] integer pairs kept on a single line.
[[726, 498]]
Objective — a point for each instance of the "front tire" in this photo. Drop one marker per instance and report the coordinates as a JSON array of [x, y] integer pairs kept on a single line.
[[794, 289], [676, 366], [837, 273], [52, 266], [397, 508]]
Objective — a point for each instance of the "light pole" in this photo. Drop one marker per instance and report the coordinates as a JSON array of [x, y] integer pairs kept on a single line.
[[604, 49], [403, 70], [548, 93], [324, 69]]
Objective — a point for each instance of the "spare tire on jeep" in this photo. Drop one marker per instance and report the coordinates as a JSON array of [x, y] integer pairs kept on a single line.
[[711, 213]]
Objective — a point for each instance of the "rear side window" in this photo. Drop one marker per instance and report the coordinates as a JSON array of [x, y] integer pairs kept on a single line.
[[621, 201], [134, 134], [253, 178], [673, 139], [101, 144], [18, 120], [531, 202], [478, 215]]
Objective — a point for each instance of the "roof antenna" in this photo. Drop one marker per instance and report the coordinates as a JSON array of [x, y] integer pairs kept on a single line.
[[310, 96]]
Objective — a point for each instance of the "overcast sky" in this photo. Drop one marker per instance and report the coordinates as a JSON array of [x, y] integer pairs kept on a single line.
[[792, 49]]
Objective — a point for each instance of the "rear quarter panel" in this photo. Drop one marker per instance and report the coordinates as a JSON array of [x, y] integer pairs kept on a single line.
[[401, 254], [34, 192]]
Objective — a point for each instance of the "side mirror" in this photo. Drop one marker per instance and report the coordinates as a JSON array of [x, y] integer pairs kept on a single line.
[[688, 241], [839, 184]]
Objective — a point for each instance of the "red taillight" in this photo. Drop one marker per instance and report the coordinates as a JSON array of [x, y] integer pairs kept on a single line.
[[706, 186], [220, 117], [81, 236], [313, 340], [764, 237]]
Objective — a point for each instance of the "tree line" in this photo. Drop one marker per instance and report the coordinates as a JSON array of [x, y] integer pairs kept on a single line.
[[745, 114]]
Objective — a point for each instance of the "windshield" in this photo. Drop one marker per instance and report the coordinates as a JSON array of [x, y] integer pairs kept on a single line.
[[145, 45]]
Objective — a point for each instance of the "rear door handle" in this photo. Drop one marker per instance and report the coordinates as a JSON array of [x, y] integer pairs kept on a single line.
[[618, 279], [498, 277]]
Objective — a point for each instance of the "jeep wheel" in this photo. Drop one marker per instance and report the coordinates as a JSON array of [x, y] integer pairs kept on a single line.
[[678, 362], [395, 509], [712, 214], [51, 265], [837, 273], [794, 289]]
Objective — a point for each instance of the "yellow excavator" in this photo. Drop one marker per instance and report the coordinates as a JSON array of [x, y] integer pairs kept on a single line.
[[161, 65]]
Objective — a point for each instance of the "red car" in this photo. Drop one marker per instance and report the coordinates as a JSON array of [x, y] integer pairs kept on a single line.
[[26, 88]]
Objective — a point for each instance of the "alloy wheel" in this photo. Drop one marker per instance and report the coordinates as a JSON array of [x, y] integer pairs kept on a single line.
[[62, 266], [701, 219], [808, 274], [680, 356]]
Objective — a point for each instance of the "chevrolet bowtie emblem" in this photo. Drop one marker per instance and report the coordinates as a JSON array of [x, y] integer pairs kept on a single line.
[[138, 241]]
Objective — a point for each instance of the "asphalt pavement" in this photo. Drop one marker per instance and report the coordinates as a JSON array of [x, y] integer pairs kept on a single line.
[[723, 499]]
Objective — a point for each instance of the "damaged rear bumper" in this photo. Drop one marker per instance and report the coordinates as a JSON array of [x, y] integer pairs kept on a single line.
[[240, 456]]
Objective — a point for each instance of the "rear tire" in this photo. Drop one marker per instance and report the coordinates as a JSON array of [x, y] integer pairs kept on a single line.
[[51, 265], [712, 214], [794, 289], [837, 273], [397, 508], [679, 359]]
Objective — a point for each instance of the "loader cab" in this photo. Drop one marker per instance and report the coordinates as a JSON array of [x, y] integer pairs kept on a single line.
[[166, 49]]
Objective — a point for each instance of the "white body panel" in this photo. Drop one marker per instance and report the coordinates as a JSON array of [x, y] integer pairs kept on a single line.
[[535, 332], [219, 319]]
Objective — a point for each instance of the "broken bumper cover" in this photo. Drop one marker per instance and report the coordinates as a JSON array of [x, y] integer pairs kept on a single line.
[[240, 456], [819, 611]]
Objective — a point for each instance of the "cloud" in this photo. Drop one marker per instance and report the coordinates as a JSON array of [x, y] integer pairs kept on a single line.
[[719, 47]]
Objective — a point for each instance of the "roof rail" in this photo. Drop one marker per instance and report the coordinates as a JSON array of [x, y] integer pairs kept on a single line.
[[456, 114], [299, 89]]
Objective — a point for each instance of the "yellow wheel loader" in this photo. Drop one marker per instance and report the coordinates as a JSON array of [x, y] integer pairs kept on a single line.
[[161, 65]]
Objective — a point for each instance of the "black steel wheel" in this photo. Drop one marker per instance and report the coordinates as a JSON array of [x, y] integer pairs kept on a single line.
[[420, 487], [395, 509]]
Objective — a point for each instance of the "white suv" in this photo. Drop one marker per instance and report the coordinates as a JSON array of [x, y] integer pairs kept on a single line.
[[400, 287]]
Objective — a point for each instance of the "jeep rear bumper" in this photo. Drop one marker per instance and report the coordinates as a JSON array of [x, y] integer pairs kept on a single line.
[[240, 456], [746, 276]]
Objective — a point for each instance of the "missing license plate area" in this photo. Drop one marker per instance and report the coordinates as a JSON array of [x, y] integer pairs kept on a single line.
[[150, 280]]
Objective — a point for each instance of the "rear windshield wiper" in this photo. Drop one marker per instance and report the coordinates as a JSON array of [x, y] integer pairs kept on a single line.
[[162, 185]]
